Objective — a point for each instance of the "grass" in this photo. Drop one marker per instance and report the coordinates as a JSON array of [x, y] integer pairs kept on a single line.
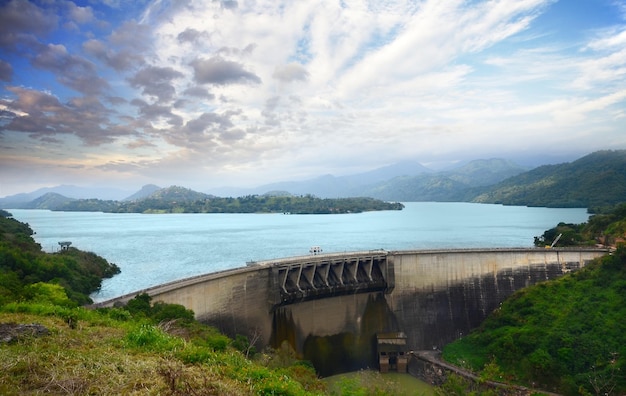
[[87, 360], [105, 356], [370, 382]]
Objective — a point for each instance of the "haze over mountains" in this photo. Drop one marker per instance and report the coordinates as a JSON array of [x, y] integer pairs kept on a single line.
[[475, 173], [596, 180]]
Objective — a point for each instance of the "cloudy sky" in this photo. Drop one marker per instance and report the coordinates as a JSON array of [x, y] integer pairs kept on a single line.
[[203, 93]]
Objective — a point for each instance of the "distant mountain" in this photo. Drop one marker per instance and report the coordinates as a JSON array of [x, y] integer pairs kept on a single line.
[[403, 168], [594, 181], [326, 186], [329, 186], [421, 188], [446, 186], [18, 201], [145, 192], [49, 201], [178, 194], [485, 172]]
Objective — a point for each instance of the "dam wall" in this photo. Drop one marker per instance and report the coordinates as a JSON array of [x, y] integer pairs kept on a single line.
[[330, 307]]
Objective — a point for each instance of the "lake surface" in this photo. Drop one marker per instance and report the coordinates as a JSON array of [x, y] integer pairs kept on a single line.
[[152, 249]]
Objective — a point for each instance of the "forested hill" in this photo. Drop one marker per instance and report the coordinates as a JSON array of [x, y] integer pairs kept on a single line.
[[181, 200], [595, 181]]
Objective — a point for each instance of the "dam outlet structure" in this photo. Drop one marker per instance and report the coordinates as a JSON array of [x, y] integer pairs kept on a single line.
[[329, 308]]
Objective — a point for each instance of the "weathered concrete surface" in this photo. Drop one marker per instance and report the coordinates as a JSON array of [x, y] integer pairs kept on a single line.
[[439, 296], [434, 297]]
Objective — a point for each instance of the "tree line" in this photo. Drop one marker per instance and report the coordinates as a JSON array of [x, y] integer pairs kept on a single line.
[[306, 204], [606, 229]]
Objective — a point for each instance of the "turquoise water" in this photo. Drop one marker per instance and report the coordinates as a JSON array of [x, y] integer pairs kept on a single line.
[[156, 248]]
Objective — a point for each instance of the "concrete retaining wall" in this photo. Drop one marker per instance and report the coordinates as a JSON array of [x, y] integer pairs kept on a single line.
[[438, 296]]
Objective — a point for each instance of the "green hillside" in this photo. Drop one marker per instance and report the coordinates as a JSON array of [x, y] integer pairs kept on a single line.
[[421, 188], [446, 186], [596, 181], [179, 194], [48, 201], [27, 273], [607, 229], [567, 335]]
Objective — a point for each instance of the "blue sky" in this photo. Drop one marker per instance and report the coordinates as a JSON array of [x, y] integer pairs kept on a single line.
[[206, 94]]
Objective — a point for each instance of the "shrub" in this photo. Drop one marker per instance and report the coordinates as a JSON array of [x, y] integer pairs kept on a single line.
[[194, 354], [165, 312], [41, 292], [217, 342], [140, 305], [119, 314], [152, 338]]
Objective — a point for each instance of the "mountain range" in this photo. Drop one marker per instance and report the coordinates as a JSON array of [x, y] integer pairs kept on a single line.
[[387, 182], [593, 181]]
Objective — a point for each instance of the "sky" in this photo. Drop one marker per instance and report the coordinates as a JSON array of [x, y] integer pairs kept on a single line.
[[205, 94]]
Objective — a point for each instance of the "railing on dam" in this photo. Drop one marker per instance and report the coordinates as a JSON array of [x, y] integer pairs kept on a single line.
[[323, 276]]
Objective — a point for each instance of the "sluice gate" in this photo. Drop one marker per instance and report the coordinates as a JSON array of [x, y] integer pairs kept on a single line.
[[325, 276]]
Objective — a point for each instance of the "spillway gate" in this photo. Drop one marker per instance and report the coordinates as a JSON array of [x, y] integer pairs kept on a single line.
[[322, 276]]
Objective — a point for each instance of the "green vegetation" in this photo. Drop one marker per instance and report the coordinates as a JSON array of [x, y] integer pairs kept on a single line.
[[161, 203], [26, 273], [567, 335], [601, 229], [372, 382], [142, 348], [596, 181], [112, 351]]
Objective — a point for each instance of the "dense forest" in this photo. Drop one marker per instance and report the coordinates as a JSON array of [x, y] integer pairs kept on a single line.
[[596, 181], [306, 204], [566, 335]]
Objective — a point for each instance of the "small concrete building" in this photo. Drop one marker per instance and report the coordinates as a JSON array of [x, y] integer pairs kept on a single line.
[[392, 353], [65, 245]]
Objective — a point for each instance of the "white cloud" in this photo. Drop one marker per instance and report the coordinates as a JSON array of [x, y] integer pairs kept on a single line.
[[385, 74], [308, 86]]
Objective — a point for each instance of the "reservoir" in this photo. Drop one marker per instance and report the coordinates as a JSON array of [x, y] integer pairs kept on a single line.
[[152, 249]]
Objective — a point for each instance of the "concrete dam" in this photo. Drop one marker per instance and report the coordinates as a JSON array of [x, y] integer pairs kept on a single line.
[[330, 307]]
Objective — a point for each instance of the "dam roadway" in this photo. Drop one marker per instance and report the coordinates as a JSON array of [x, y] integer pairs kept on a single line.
[[329, 307]]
